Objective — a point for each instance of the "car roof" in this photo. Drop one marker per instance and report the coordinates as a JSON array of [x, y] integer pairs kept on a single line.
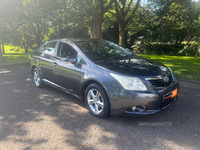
[[75, 39]]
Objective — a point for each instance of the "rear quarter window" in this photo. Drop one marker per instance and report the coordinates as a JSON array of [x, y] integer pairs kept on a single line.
[[49, 48]]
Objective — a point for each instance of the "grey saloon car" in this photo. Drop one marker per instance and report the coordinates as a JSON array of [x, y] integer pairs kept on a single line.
[[109, 79]]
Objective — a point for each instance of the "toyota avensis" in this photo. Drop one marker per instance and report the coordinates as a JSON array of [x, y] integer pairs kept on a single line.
[[109, 79]]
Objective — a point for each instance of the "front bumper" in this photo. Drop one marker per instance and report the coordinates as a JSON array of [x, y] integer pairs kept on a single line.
[[149, 112], [150, 102]]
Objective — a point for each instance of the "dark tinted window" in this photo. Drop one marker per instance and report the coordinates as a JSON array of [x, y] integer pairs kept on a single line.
[[98, 49], [66, 50], [49, 48]]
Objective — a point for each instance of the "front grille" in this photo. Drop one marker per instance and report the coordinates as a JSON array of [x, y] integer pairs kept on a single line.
[[160, 83]]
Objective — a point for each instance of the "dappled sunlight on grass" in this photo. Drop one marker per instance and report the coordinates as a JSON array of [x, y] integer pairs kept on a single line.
[[183, 67], [13, 49], [14, 54]]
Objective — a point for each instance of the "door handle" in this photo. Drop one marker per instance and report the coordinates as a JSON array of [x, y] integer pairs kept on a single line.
[[55, 64]]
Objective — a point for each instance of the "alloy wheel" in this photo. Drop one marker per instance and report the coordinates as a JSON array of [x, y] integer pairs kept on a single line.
[[36, 77], [95, 101]]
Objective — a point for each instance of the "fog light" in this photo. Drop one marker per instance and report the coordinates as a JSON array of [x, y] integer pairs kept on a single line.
[[134, 108]]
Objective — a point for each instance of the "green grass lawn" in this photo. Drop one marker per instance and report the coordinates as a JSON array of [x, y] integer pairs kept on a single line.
[[182, 67], [14, 55]]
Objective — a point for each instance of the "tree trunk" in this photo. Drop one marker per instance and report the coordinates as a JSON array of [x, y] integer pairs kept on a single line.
[[97, 20], [3, 50], [1, 56], [38, 41], [26, 49], [95, 28], [122, 34]]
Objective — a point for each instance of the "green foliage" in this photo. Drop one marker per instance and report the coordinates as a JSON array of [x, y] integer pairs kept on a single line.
[[169, 22], [190, 50], [25, 22], [28, 23], [159, 49]]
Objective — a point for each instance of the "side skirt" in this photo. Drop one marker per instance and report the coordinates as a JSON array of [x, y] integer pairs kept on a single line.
[[59, 87]]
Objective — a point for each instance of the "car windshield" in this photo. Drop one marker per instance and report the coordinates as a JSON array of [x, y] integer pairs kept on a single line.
[[101, 50]]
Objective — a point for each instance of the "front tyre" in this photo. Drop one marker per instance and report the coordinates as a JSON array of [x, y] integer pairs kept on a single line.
[[37, 78], [97, 101]]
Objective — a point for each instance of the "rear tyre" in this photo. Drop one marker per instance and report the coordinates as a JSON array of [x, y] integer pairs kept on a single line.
[[97, 101], [37, 78]]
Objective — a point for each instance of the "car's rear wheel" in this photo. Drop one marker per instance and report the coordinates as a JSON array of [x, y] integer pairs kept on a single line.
[[97, 100], [37, 78]]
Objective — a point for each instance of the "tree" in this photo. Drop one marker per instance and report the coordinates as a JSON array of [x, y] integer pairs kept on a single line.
[[28, 21], [91, 13], [67, 21], [176, 21], [124, 13], [1, 56]]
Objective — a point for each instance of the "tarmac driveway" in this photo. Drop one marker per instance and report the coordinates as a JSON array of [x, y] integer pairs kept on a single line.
[[49, 119]]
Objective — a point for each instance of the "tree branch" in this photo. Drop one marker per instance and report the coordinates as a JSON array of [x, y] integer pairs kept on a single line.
[[133, 13], [108, 7], [123, 7], [19, 25], [128, 9], [112, 13], [117, 10]]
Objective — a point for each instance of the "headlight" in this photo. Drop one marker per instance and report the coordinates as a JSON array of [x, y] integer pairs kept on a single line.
[[130, 83]]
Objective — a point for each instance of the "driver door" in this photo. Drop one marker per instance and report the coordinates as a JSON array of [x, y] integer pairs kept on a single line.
[[67, 74]]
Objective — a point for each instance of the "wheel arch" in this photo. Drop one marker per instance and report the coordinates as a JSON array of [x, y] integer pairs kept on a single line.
[[32, 68], [87, 83]]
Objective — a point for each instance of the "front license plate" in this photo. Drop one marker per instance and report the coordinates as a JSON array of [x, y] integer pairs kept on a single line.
[[171, 95]]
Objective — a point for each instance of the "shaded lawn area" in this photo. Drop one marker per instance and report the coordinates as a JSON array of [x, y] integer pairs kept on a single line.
[[15, 57], [183, 67]]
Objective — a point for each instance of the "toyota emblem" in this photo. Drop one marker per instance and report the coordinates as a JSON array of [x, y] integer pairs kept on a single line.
[[166, 79]]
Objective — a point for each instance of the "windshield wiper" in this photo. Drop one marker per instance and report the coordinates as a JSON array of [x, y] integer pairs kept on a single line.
[[111, 58], [116, 58]]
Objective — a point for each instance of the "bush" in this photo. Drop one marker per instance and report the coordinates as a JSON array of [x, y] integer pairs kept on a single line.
[[16, 50], [190, 50], [159, 49]]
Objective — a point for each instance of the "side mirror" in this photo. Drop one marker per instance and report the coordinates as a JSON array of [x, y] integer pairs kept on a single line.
[[71, 59]]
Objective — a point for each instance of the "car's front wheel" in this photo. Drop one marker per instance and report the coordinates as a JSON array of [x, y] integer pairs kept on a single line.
[[97, 100], [37, 78]]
